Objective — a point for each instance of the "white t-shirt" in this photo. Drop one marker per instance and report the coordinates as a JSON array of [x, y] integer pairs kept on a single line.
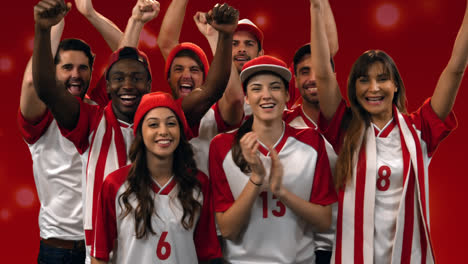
[[58, 178]]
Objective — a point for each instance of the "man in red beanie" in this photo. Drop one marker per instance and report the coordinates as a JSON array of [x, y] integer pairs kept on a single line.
[[188, 73], [102, 135]]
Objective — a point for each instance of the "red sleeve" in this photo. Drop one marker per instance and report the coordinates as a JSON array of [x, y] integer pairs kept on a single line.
[[332, 129], [206, 240], [99, 93], [105, 227], [222, 126], [323, 190], [433, 129], [80, 134], [222, 195], [32, 131]]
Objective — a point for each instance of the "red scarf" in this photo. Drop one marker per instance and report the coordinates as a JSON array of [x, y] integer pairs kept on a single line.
[[107, 153], [355, 223]]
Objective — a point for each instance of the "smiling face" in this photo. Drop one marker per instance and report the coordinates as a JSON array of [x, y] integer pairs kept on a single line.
[[267, 96], [73, 71], [185, 75], [305, 81], [128, 82], [244, 48], [375, 92], [161, 133]]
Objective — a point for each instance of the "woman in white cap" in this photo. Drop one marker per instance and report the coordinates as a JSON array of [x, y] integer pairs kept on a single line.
[[157, 209], [272, 185], [384, 152]]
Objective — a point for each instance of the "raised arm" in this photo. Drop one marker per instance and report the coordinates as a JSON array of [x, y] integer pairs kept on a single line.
[[108, 30], [224, 19], [32, 108], [61, 103], [449, 81], [231, 104], [328, 91], [207, 30], [171, 26], [143, 12], [330, 28]]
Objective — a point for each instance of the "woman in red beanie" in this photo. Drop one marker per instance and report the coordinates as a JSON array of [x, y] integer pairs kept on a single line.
[[272, 184], [158, 208]]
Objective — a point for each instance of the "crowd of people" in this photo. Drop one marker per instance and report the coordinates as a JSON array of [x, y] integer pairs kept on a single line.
[[246, 161]]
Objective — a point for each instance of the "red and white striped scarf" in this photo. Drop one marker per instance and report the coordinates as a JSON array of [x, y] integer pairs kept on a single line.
[[107, 153], [355, 223]]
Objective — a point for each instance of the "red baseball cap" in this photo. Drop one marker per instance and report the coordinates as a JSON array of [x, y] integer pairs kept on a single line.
[[128, 53], [187, 46], [159, 99], [247, 25], [265, 63]]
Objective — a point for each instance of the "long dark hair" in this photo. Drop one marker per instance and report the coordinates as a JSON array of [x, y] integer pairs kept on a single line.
[[140, 181], [246, 127], [358, 119]]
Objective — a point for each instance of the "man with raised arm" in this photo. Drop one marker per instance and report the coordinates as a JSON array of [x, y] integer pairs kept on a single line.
[[56, 163], [187, 68], [306, 114], [102, 135]]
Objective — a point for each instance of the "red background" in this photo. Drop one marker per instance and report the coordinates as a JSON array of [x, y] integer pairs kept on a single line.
[[418, 34]]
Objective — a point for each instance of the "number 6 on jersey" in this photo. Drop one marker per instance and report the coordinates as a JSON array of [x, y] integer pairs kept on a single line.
[[163, 251]]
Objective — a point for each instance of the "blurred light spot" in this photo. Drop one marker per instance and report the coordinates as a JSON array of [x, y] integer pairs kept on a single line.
[[6, 64], [148, 38], [5, 214], [25, 197], [30, 44], [260, 21], [387, 15]]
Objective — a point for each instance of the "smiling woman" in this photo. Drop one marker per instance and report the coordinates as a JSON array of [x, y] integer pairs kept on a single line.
[[160, 198], [384, 152], [257, 201]]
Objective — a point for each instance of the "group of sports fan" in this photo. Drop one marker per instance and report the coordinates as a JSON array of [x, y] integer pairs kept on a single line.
[[249, 160]]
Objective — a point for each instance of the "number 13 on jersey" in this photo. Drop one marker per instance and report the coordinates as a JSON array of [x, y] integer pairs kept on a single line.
[[279, 209]]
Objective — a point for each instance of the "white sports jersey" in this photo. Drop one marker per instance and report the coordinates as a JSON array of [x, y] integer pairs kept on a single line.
[[299, 119], [389, 189], [274, 234], [57, 174], [210, 125], [103, 142], [380, 178], [172, 243]]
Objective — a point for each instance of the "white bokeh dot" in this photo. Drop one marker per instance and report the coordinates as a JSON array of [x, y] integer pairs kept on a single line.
[[24, 197], [5, 214], [6, 64], [148, 38], [387, 15], [30, 44], [260, 21]]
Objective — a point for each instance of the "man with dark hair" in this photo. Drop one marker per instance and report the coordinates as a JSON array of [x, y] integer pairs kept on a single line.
[[188, 70], [103, 134], [307, 113], [56, 163], [128, 78]]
